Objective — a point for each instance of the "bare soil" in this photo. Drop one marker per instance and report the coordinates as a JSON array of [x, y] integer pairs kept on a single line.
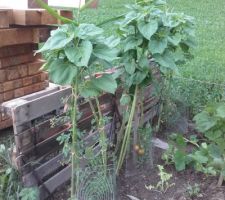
[[135, 184]]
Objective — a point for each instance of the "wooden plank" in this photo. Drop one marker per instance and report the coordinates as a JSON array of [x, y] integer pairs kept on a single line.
[[30, 110], [55, 163], [62, 177], [54, 182], [43, 171]]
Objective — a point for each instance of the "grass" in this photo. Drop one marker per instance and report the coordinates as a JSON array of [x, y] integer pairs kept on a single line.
[[208, 64]]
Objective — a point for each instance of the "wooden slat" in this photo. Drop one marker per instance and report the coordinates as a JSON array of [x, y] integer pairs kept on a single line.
[[55, 163], [33, 109], [43, 171], [62, 177]]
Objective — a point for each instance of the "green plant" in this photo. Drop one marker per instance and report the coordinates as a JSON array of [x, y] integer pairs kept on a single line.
[[163, 185], [194, 190], [149, 31], [177, 153], [74, 53], [29, 194], [10, 183], [211, 122]]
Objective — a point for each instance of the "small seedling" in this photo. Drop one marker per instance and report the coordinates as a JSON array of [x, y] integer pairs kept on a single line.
[[194, 190], [163, 185]]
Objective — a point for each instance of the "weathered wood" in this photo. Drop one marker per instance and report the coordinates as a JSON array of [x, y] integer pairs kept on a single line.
[[56, 163], [62, 177], [30, 110], [43, 171]]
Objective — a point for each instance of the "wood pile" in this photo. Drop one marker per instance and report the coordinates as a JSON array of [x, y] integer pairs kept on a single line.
[[20, 33]]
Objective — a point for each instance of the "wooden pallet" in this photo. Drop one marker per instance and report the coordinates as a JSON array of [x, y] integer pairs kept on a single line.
[[37, 154]]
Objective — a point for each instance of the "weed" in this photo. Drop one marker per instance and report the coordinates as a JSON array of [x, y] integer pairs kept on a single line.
[[163, 185]]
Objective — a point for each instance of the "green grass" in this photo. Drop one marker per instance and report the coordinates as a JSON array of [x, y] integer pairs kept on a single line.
[[209, 56], [209, 61]]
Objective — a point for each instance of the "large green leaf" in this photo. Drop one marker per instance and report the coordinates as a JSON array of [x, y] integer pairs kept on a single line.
[[79, 55], [204, 121], [175, 39], [180, 160], [131, 42], [220, 110], [58, 40], [88, 90], [165, 60], [105, 83], [87, 31], [86, 49], [61, 72], [104, 52], [129, 65], [157, 45], [148, 29]]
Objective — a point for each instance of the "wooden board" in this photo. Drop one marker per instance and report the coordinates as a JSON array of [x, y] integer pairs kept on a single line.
[[37, 107]]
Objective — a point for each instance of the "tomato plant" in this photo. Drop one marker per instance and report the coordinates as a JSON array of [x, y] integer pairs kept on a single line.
[[151, 36]]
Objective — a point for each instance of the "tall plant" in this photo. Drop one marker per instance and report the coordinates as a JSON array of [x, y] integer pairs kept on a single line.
[[150, 35], [74, 53]]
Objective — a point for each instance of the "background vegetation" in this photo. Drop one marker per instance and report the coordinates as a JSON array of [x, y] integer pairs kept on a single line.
[[208, 65]]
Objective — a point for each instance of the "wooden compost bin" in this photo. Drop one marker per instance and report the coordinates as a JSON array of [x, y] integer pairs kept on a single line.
[[35, 137]]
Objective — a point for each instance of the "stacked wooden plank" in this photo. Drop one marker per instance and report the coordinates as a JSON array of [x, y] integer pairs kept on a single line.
[[20, 33]]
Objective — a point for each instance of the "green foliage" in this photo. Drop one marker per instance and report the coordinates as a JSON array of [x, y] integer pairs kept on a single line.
[[10, 185], [194, 190], [211, 122], [177, 152], [149, 30], [73, 52], [29, 194]]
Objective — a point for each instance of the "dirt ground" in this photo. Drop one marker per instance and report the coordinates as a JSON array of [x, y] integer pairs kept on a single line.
[[135, 184]]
